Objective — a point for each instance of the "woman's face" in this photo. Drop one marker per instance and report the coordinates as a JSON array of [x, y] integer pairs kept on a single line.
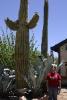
[[53, 68]]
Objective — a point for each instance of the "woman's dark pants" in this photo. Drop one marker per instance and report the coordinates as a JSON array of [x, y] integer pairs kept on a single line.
[[52, 93]]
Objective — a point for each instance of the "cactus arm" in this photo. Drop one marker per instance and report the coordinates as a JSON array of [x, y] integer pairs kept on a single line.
[[33, 21], [12, 25]]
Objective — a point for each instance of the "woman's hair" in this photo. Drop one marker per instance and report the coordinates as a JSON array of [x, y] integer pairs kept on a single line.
[[54, 65]]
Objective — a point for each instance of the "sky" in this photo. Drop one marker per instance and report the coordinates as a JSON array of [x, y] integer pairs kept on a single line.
[[57, 18]]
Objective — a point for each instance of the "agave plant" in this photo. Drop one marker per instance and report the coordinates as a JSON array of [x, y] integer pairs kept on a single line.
[[37, 72]]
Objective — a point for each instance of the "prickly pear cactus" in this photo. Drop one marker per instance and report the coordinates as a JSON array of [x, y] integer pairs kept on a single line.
[[21, 26]]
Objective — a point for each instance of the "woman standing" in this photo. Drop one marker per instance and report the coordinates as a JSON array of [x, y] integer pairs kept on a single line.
[[53, 82]]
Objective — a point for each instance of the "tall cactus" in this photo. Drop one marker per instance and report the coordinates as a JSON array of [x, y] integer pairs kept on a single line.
[[44, 45], [21, 26]]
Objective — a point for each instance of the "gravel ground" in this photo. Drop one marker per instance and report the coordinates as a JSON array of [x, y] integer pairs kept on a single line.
[[63, 94]]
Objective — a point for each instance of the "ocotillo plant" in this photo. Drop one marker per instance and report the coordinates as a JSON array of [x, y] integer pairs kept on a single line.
[[44, 44], [21, 26]]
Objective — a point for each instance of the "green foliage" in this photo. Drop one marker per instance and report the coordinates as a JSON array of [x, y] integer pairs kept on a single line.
[[33, 50], [7, 50]]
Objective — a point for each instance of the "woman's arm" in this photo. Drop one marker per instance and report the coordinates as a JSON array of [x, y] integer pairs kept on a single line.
[[60, 84]]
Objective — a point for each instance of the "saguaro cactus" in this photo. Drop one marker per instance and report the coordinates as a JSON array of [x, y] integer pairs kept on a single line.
[[21, 26], [44, 45]]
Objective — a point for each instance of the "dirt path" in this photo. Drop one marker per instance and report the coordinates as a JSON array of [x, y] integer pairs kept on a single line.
[[63, 94]]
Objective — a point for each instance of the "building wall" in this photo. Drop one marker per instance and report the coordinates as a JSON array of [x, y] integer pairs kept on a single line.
[[63, 58]]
